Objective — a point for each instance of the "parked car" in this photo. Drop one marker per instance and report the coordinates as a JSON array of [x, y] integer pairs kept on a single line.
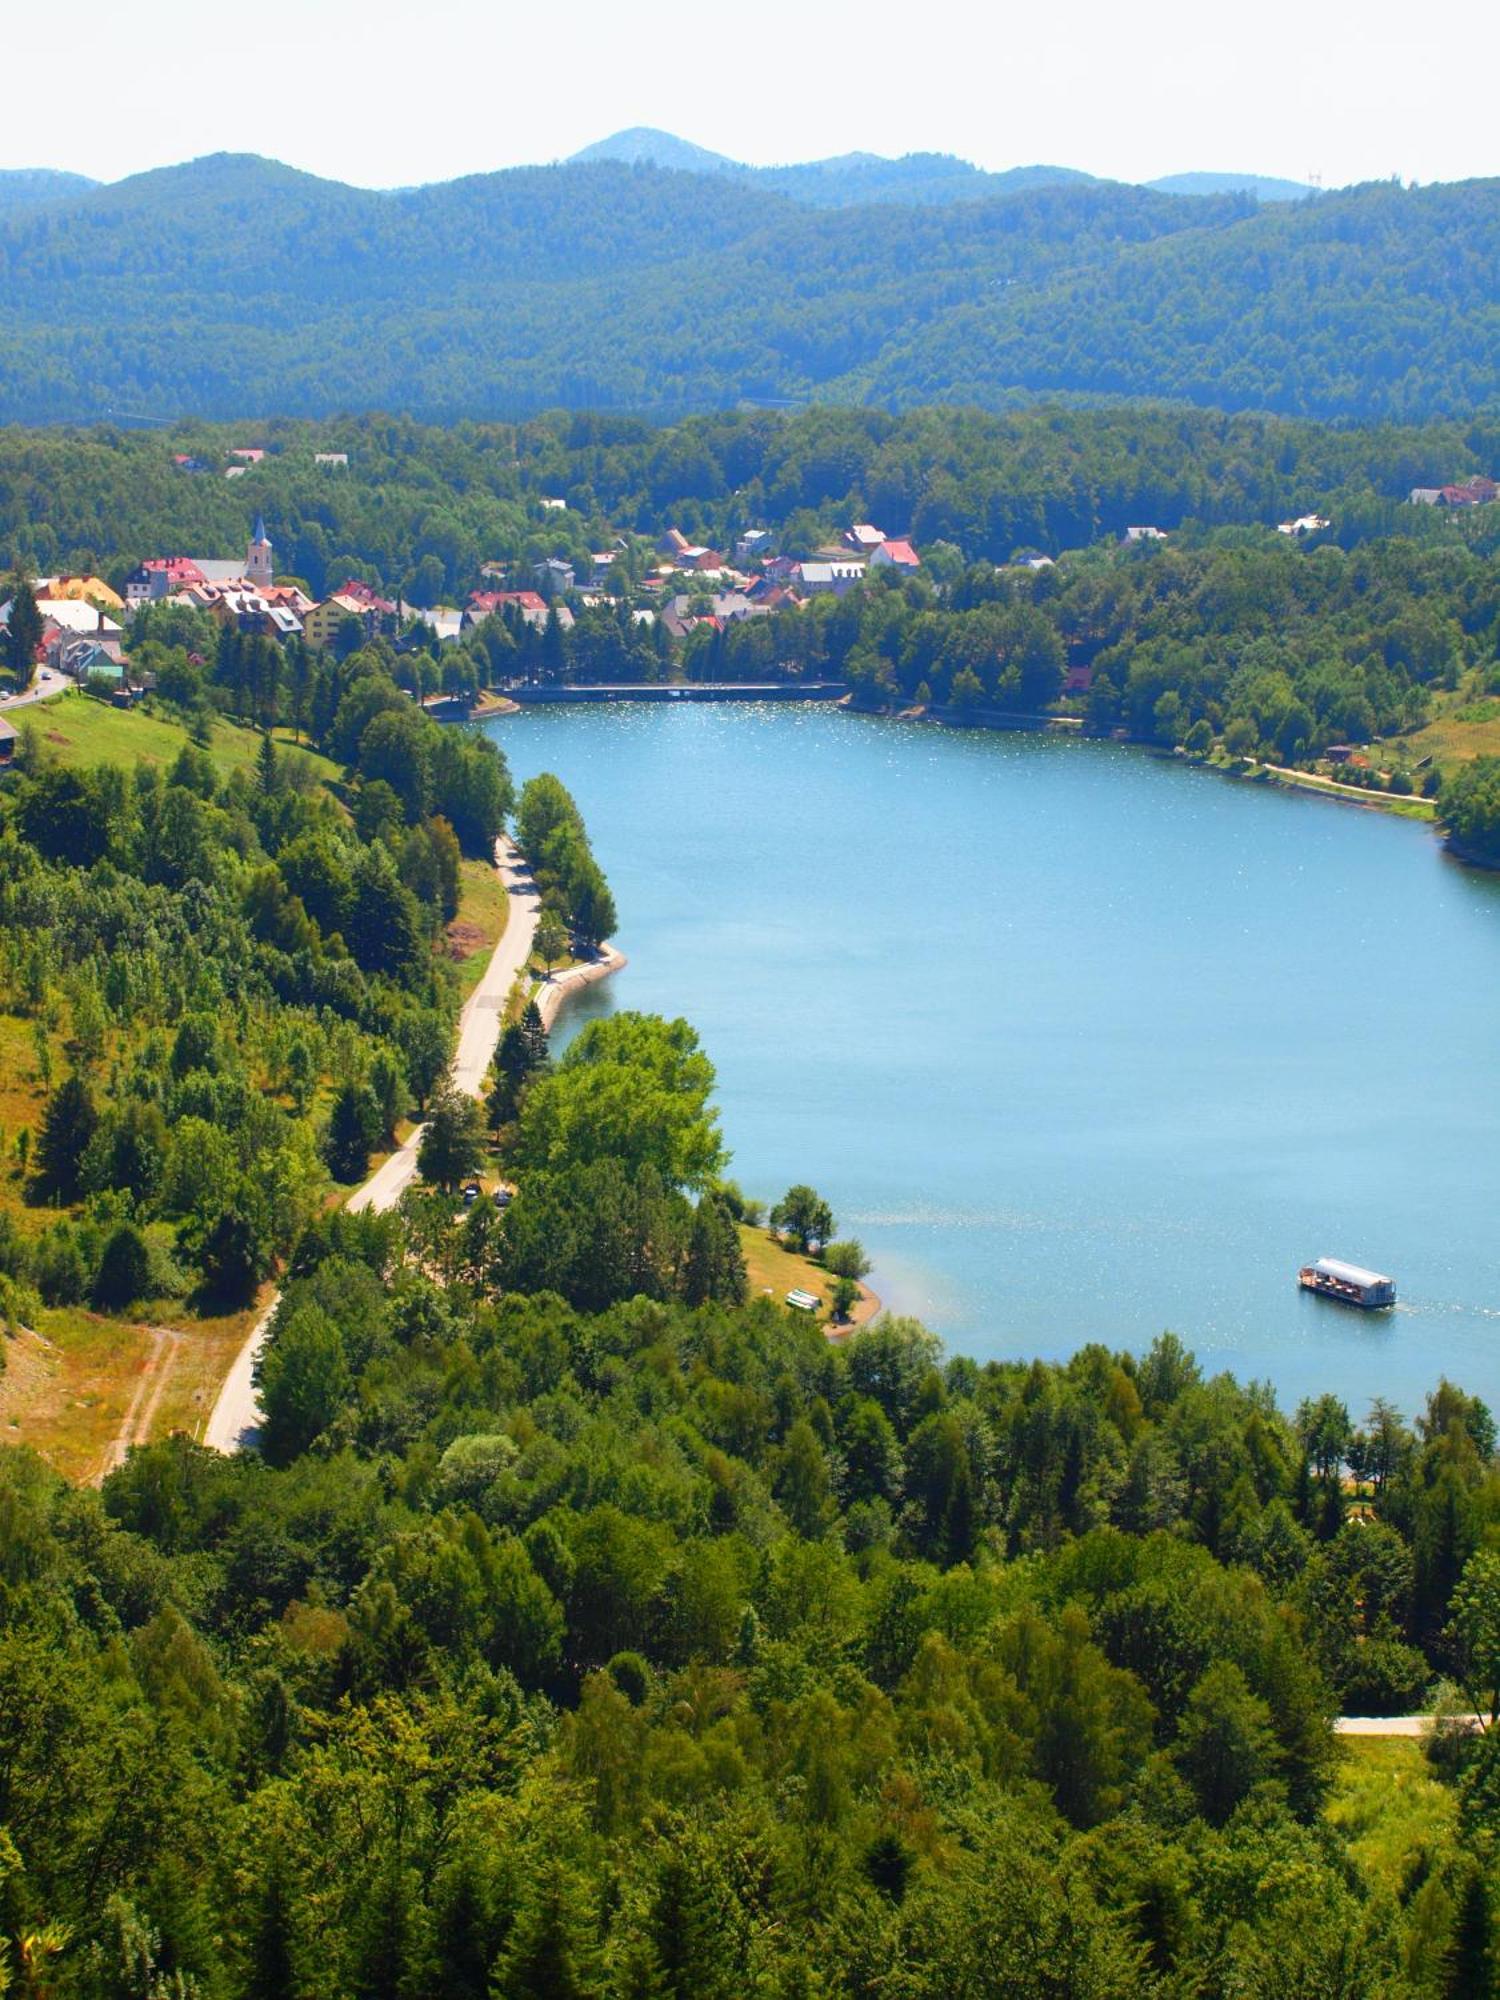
[[471, 1193], [503, 1197]]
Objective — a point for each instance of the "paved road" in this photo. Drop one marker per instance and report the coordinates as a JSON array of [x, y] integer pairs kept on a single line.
[[1391, 1725], [236, 1415], [48, 682]]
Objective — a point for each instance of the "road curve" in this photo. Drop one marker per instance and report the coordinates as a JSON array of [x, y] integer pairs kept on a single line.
[[235, 1422], [48, 682]]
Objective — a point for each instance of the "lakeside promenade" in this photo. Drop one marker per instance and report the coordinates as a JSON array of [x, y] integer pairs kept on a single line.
[[235, 1420]]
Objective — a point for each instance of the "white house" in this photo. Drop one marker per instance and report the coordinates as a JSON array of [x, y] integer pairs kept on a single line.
[[1305, 524], [895, 555]]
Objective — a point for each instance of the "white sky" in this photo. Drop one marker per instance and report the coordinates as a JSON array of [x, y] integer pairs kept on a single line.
[[366, 91]]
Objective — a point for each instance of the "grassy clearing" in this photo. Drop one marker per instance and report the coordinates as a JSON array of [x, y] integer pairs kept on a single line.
[[22, 1104], [771, 1267], [483, 908], [1389, 1808], [80, 731], [1463, 728], [67, 1388], [200, 1361]]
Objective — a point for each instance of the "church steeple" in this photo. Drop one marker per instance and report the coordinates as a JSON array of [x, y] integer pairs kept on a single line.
[[258, 568]]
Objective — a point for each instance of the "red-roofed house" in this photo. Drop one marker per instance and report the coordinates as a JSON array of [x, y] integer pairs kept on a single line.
[[532, 606], [895, 555], [160, 576], [368, 599]]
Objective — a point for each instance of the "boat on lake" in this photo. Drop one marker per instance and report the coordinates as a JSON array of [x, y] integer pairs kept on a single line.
[[1350, 1284]]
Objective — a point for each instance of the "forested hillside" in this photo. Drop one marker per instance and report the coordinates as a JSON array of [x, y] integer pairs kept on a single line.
[[419, 508], [656, 1649], [586, 1627], [627, 287]]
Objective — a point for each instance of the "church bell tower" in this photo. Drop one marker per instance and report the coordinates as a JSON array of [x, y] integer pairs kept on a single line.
[[258, 557]]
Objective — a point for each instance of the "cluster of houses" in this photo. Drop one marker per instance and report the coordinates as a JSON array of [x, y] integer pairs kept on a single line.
[[81, 625], [83, 617], [689, 584], [700, 586], [1476, 492]]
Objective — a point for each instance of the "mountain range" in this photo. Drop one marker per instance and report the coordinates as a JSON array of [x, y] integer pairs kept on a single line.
[[234, 284], [852, 178]]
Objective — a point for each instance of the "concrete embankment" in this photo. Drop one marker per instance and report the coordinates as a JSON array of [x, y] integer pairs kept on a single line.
[[551, 992]]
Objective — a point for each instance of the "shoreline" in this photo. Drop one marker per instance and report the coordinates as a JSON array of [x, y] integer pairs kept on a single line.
[[552, 992], [1282, 777]]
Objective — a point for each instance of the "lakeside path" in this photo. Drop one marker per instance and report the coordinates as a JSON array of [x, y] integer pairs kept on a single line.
[[235, 1421], [1395, 1725]]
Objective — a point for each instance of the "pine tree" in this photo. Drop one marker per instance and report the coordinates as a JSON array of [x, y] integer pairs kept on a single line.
[[70, 1122], [549, 1954], [1470, 1970], [23, 633]]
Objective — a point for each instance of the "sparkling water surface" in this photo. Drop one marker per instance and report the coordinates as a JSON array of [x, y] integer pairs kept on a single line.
[[1081, 1043]]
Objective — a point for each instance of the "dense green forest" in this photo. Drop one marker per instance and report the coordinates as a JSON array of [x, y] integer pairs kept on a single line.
[[626, 287], [667, 1649], [584, 1627], [419, 507], [245, 972]]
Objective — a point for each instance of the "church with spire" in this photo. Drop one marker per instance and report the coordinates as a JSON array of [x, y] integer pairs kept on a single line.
[[258, 565]]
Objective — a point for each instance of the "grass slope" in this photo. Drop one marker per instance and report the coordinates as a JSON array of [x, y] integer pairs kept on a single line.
[[77, 730]]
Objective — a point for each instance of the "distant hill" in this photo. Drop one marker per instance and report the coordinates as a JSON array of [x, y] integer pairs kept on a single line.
[[234, 284], [659, 149], [1265, 187], [921, 179], [846, 181], [24, 187]]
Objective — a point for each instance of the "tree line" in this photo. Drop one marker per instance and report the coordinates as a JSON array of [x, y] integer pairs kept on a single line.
[[420, 507]]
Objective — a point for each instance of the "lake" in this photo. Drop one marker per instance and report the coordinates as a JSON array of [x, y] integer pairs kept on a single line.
[[1081, 1043]]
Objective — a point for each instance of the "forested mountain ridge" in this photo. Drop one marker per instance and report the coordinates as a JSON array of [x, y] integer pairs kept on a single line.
[[21, 187], [1378, 302], [844, 181], [1265, 187], [625, 287]]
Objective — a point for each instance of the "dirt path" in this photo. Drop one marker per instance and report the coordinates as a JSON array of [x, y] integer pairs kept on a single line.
[[136, 1427]]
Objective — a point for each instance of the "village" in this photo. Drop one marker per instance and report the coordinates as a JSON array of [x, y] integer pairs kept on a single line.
[[85, 621], [671, 587]]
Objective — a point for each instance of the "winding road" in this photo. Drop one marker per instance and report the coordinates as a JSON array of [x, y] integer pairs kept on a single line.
[[235, 1422]]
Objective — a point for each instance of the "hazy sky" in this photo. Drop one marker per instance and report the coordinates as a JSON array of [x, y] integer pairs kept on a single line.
[[366, 91]]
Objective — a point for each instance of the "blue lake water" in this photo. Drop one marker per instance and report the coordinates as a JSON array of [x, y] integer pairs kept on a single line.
[[1079, 1042]]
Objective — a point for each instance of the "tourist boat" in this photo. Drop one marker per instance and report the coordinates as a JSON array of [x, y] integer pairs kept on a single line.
[[1349, 1283]]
